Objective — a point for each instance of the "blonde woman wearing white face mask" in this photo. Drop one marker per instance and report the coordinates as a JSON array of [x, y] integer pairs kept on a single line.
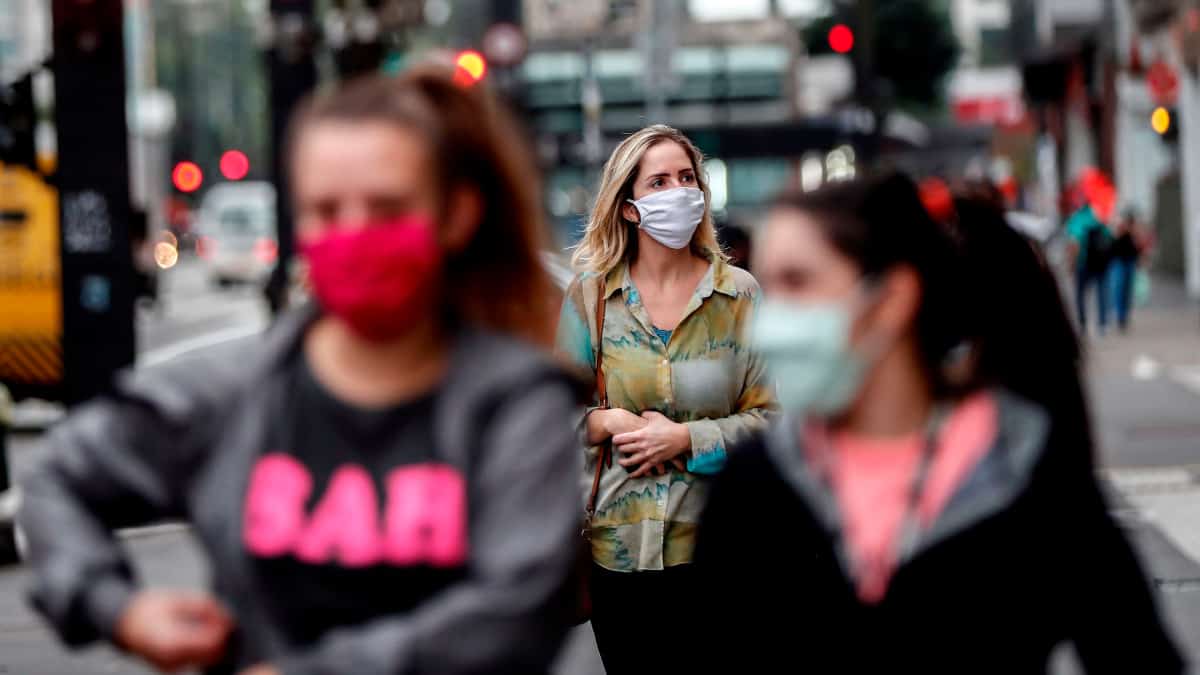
[[681, 387]]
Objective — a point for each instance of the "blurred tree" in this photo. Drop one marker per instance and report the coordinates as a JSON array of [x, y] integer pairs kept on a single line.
[[912, 48]]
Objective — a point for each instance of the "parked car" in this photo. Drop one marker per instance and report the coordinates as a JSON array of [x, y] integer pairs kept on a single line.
[[236, 233]]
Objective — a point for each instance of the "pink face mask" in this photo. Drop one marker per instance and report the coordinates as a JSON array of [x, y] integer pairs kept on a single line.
[[379, 279]]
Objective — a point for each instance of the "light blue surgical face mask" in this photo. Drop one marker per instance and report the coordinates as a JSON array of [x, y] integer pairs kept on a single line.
[[806, 347]]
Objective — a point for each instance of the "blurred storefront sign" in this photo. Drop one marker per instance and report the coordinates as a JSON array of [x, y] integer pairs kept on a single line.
[[987, 96]]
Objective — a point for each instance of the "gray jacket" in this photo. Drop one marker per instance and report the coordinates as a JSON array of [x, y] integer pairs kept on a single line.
[[178, 442]]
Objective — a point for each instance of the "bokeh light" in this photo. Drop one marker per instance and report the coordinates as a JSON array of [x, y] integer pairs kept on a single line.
[[165, 255], [1160, 120], [470, 67], [187, 177], [235, 165], [841, 39]]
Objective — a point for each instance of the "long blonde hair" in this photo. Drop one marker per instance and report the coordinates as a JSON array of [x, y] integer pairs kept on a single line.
[[609, 237]]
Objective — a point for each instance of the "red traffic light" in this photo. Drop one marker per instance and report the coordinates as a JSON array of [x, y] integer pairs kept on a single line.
[[235, 165], [841, 39], [187, 177], [469, 68]]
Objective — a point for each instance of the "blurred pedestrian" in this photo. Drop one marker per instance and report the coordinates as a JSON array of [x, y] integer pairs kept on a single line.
[[1091, 249], [1126, 255], [921, 517], [385, 480], [664, 313]]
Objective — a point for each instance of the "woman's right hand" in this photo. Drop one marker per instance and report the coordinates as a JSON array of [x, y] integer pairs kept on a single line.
[[174, 629]]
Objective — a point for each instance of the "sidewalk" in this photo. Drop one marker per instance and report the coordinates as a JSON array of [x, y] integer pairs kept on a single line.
[[1145, 385], [1145, 391]]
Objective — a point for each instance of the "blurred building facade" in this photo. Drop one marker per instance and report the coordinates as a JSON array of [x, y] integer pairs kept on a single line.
[[598, 70], [1156, 61], [768, 112]]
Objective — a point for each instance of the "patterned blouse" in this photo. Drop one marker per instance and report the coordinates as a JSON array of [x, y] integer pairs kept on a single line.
[[704, 376]]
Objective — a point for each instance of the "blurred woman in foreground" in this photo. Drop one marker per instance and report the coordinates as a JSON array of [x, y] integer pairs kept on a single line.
[[384, 482], [921, 518]]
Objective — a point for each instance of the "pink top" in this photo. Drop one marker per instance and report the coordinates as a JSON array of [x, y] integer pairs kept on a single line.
[[872, 479]]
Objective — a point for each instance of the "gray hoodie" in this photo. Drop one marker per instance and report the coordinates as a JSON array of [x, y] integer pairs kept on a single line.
[[178, 442]]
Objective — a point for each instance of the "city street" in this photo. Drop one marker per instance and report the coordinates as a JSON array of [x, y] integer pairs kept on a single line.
[[1146, 389]]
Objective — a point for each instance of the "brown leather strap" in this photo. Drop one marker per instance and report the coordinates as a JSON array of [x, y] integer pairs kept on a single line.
[[602, 395]]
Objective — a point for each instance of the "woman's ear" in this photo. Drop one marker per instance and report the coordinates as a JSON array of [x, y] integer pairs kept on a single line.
[[899, 299], [464, 211], [630, 213]]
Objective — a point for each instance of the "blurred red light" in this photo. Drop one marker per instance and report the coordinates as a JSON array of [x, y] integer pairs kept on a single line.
[[937, 198], [470, 67], [235, 165], [841, 39], [266, 250], [187, 177]]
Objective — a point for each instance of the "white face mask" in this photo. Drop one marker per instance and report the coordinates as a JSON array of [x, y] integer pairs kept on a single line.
[[670, 217]]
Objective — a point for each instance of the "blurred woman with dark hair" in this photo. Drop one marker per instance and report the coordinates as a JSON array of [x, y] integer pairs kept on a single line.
[[925, 516], [385, 482]]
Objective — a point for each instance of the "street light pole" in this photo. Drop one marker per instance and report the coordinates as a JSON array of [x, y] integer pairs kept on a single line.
[[292, 74], [658, 45]]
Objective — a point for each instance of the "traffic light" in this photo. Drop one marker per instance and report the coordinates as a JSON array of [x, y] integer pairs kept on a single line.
[[1165, 122], [469, 68], [234, 165], [86, 29], [1160, 121], [841, 38], [187, 177]]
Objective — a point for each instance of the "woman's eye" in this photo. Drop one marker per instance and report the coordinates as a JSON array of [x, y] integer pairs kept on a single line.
[[688, 179], [658, 182]]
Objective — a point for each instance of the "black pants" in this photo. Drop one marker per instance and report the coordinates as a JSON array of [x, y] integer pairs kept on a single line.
[[644, 621]]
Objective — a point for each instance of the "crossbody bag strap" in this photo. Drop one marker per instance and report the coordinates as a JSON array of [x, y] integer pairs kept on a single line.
[[602, 395]]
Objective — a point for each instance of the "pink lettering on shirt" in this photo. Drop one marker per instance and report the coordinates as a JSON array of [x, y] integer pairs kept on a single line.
[[425, 520], [427, 516], [345, 522], [279, 487]]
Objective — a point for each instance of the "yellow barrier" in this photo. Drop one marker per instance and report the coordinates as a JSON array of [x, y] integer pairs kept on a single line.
[[30, 279]]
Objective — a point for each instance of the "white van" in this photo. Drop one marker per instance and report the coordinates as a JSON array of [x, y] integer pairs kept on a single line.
[[236, 235]]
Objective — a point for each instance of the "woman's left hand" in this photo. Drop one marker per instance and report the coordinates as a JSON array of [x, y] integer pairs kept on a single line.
[[655, 444], [261, 669]]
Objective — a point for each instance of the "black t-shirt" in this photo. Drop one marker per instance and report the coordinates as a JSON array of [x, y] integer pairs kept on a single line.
[[349, 515]]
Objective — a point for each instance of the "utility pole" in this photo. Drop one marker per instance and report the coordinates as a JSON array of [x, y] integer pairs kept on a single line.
[[292, 74], [657, 47], [92, 178], [871, 89], [592, 103]]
